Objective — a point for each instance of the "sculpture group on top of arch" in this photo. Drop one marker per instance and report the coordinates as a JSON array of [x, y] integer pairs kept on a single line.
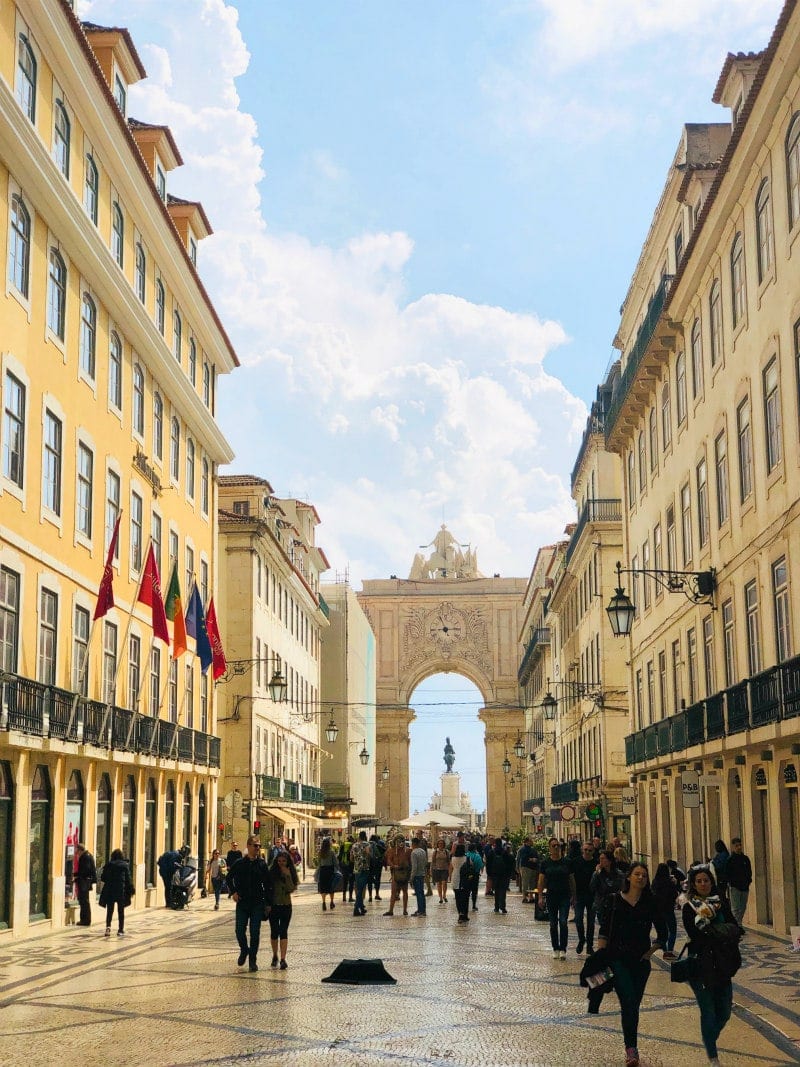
[[449, 560]]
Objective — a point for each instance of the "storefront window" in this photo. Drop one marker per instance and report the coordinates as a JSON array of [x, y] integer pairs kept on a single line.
[[6, 823], [73, 825], [201, 828], [102, 845], [129, 820], [187, 816], [39, 838], [150, 834], [169, 818]]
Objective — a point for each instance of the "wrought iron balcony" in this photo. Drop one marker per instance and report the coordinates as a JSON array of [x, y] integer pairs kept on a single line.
[[323, 606], [769, 697], [284, 790], [539, 637], [564, 792], [594, 510]]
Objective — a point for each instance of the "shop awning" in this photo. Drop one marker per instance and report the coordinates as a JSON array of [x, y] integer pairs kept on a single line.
[[282, 815], [310, 818]]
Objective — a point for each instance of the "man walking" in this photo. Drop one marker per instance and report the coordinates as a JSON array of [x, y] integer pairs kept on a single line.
[[167, 864], [234, 854], [377, 850], [739, 871], [528, 866], [556, 877], [419, 862], [251, 882], [583, 867], [85, 878], [359, 857]]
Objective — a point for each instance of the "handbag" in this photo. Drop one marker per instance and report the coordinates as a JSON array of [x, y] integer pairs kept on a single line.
[[684, 969]]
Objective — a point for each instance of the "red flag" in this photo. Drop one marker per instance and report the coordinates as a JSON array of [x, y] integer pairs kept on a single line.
[[220, 664], [150, 594], [105, 595]]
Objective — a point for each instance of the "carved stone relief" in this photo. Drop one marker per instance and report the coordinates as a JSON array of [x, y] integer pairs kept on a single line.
[[446, 632]]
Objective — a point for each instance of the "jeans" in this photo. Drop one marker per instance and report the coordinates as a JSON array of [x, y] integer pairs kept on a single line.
[[418, 883], [474, 891], [669, 930], [348, 880], [362, 878], [251, 915], [738, 902], [584, 911], [715, 1009], [375, 871], [216, 885], [559, 913], [630, 978]]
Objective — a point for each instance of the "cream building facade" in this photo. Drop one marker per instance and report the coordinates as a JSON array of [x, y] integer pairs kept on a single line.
[[353, 785], [272, 616], [705, 419], [110, 351]]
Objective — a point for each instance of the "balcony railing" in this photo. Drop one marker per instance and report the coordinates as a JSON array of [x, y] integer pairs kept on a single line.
[[564, 792], [296, 792], [769, 697], [323, 606], [34, 708], [634, 358], [594, 510], [539, 637]]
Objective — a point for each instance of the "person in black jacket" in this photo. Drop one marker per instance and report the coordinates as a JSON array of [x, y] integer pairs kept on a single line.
[[85, 878], [251, 882], [583, 867], [740, 876], [666, 890], [500, 867], [117, 889]]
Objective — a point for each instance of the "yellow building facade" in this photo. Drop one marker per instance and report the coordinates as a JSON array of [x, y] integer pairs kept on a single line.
[[110, 351], [273, 617], [704, 417]]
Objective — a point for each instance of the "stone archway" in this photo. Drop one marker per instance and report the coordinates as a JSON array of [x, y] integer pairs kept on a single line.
[[447, 617]]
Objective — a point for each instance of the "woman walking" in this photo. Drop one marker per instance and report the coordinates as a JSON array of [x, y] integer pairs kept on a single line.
[[475, 857], [461, 881], [625, 927], [714, 938], [284, 883], [666, 891], [215, 872], [398, 860], [117, 889], [439, 867], [326, 872]]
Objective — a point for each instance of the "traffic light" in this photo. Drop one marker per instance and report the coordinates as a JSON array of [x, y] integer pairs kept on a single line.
[[221, 827], [246, 810], [256, 825]]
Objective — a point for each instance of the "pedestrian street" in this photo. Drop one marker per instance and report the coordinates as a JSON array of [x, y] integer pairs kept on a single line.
[[486, 994]]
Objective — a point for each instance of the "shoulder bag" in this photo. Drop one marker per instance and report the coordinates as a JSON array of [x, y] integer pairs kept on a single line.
[[685, 969]]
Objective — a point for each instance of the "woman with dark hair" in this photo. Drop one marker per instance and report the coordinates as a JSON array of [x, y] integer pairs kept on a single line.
[[666, 890], [326, 872], [117, 889], [284, 883], [714, 939], [625, 926]]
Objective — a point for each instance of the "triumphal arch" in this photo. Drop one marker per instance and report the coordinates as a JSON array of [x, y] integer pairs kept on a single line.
[[447, 616]]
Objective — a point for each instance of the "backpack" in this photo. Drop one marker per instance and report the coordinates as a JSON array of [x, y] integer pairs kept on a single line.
[[466, 874]]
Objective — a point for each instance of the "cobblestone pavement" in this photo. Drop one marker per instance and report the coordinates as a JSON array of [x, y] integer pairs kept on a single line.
[[488, 994]]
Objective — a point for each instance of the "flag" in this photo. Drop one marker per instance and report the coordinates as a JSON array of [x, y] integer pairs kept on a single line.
[[105, 595], [150, 594], [217, 651], [173, 609], [196, 628]]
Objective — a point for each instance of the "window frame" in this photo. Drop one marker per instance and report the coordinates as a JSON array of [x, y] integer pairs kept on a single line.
[[738, 281], [62, 137], [137, 399], [115, 359], [91, 188], [26, 80], [765, 238], [781, 609], [140, 272], [84, 491], [15, 423], [792, 161], [716, 323], [19, 247], [681, 398], [773, 429], [52, 462], [160, 307], [744, 446], [56, 294], [696, 350], [87, 346], [118, 234]]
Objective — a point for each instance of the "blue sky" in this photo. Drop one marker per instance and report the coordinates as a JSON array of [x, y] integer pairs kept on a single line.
[[426, 217]]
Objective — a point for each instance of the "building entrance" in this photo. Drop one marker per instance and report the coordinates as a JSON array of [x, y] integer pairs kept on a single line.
[[446, 617]]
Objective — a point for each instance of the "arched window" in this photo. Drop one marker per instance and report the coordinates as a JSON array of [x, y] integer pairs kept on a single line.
[[150, 805], [697, 360], [6, 841], [764, 238], [39, 844], [88, 336], [19, 246], [190, 468], [73, 817], [102, 845], [62, 136], [118, 234], [57, 294], [91, 189], [115, 371], [680, 387], [205, 480], [169, 818], [192, 361], [129, 820], [175, 449], [793, 168], [206, 385], [666, 416], [26, 77], [140, 273], [715, 322], [158, 426], [161, 304], [138, 399], [738, 294], [177, 335], [187, 815]]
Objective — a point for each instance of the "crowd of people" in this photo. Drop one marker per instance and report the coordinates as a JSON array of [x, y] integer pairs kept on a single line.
[[616, 906]]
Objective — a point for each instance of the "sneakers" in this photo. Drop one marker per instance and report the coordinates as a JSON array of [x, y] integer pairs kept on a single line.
[[242, 960], [216, 907], [562, 955], [556, 954], [120, 933], [274, 961], [253, 966], [631, 1057], [108, 931], [580, 947], [284, 965]]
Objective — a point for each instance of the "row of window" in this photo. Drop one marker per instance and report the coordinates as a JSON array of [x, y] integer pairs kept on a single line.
[[282, 757], [674, 679], [272, 592]]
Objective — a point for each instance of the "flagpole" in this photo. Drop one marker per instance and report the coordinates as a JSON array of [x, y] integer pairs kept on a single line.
[[180, 713], [160, 705], [81, 677], [135, 715], [121, 656]]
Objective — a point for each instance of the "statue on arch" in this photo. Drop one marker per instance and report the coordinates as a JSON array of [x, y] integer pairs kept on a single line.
[[446, 561], [449, 755]]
